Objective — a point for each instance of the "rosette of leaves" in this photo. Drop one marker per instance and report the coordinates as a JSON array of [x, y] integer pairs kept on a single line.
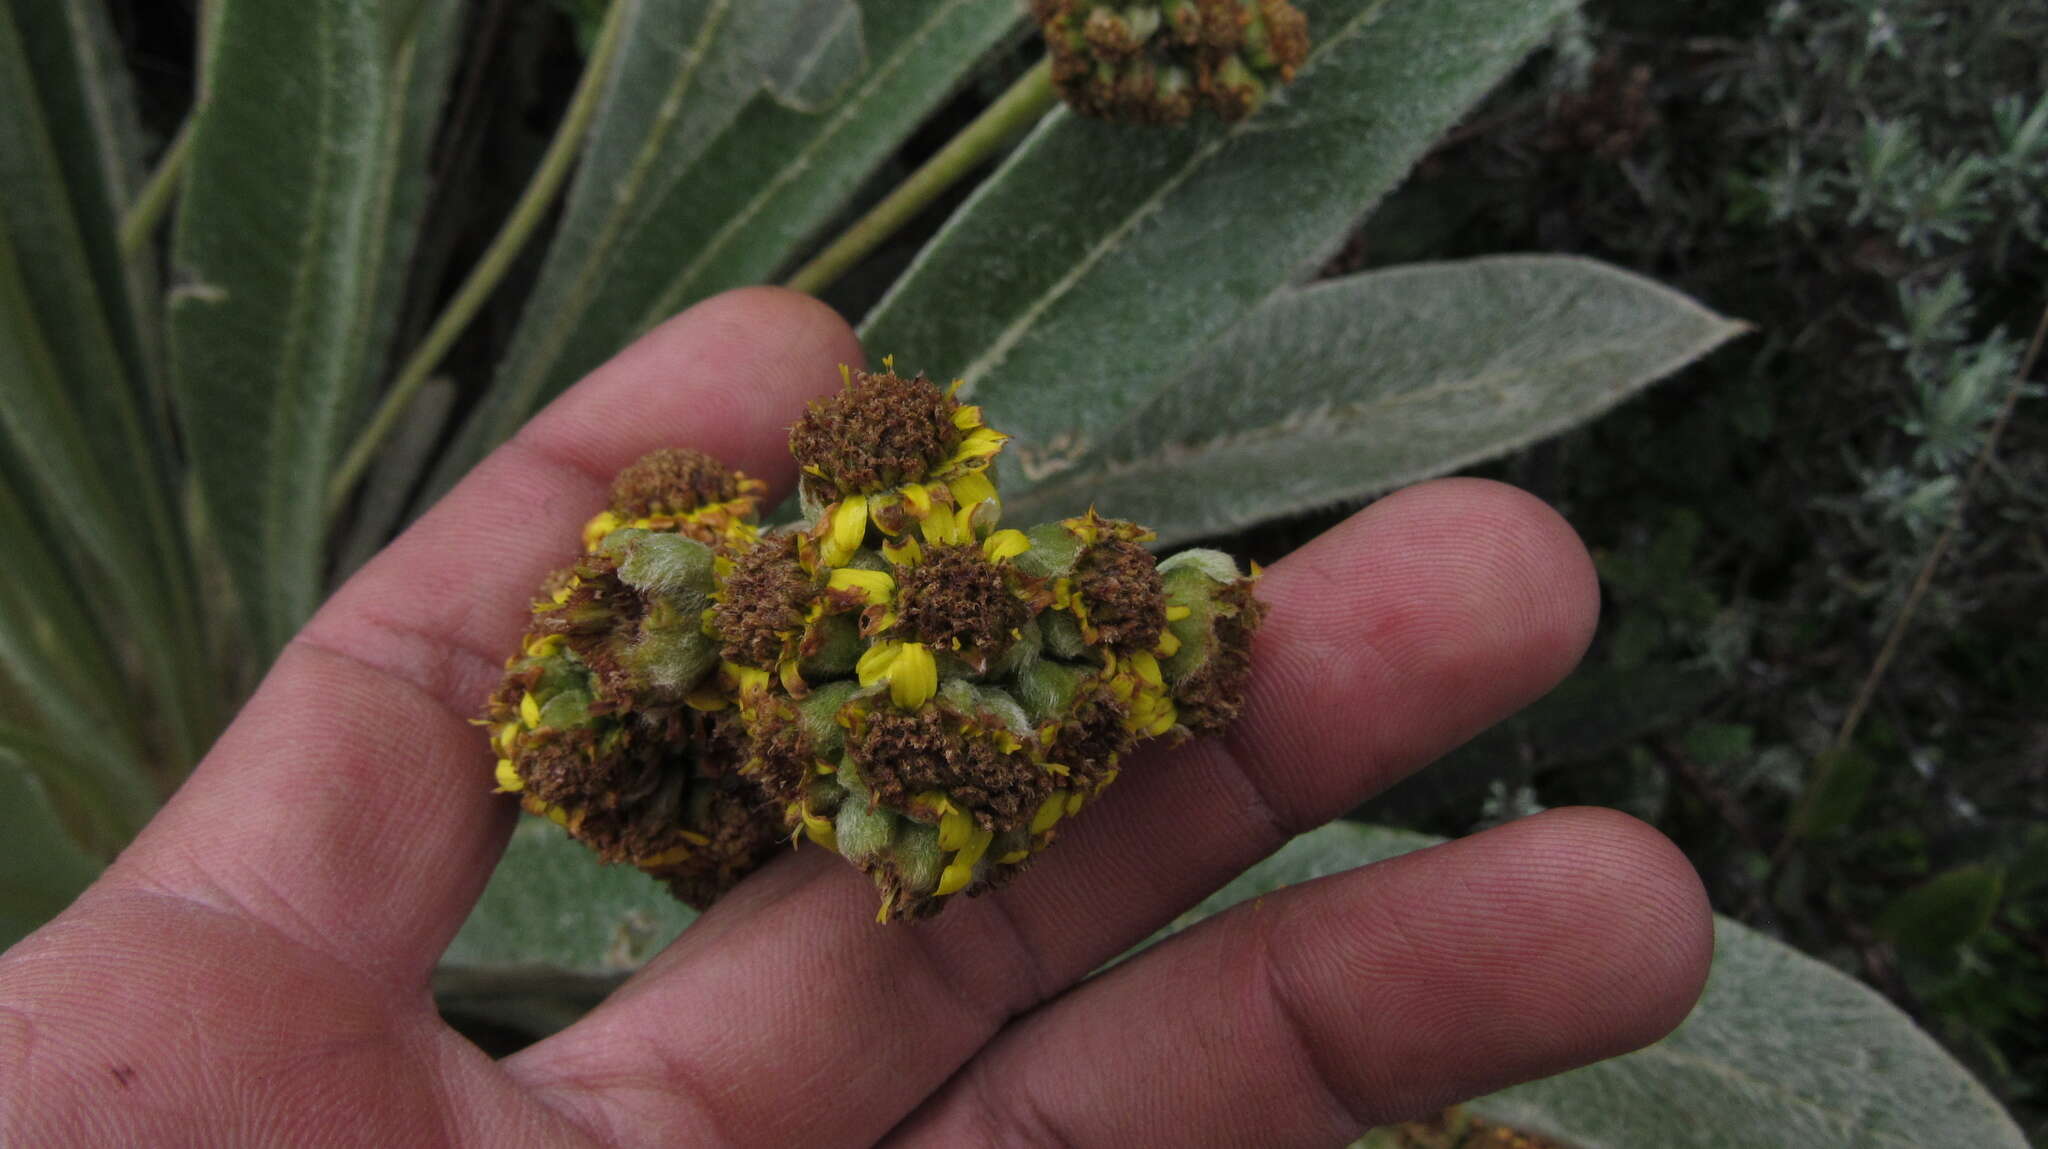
[[932, 695], [1155, 63]]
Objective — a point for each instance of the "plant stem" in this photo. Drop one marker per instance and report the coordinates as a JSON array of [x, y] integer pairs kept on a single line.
[[518, 227], [1013, 111], [1925, 578], [141, 217]]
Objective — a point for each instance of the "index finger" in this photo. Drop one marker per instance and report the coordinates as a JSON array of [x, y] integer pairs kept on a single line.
[[348, 805]]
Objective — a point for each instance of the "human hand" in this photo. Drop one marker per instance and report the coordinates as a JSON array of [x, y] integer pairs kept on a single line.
[[255, 968]]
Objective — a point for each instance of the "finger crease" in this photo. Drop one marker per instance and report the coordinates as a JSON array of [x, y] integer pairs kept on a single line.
[[540, 451], [439, 689], [1020, 1121], [671, 1082], [1025, 956], [1271, 828], [947, 975], [1294, 1024]]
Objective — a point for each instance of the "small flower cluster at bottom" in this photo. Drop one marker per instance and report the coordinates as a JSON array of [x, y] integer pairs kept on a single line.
[[897, 678]]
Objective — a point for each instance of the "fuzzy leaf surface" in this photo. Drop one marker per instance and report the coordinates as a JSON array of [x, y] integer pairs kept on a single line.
[[1781, 1050], [302, 192], [1362, 384], [1101, 259], [709, 169], [553, 911]]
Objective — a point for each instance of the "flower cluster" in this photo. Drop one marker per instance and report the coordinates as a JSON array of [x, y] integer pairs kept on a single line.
[[897, 677], [1154, 62]]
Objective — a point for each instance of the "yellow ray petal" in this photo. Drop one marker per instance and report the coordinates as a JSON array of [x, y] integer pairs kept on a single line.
[[848, 528], [913, 676], [1005, 545], [972, 488], [961, 871], [875, 662], [874, 586]]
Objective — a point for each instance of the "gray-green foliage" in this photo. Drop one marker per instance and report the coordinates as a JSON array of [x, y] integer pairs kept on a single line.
[[1360, 384], [1781, 1050], [700, 179], [552, 916], [83, 438], [300, 204], [1180, 234], [170, 433]]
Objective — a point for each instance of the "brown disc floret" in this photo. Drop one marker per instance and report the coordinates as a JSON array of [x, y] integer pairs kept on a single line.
[[780, 755], [1118, 580], [956, 599], [764, 603], [1090, 738], [622, 792], [598, 617], [881, 431], [672, 481], [742, 830], [902, 755]]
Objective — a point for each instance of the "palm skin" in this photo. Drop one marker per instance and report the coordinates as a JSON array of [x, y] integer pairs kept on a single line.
[[255, 969]]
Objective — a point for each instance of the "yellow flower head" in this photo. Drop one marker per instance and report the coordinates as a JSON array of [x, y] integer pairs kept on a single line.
[[963, 600], [1113, 588], [679, 490], [893, 454], [1155, 63], [966, 766]]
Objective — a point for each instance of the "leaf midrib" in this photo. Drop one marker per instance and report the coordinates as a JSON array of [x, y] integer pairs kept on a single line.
[[1339, 427]]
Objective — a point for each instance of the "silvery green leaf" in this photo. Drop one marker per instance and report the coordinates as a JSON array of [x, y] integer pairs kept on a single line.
[[553, 911], [301, 195], [685, 71], [1361, 384], [1781, 1051], [1085, 275], [669, 208]]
